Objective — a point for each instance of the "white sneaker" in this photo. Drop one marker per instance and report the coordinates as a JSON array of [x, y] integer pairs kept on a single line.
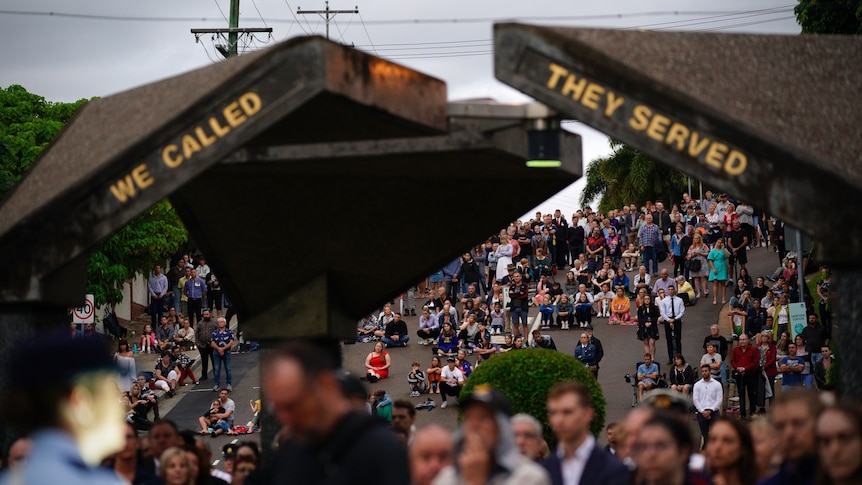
[[443, 406]]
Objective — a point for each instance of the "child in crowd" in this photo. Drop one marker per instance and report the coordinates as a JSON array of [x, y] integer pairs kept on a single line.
[[254, 425], [416, 379], [217, 425], [602, 301], [148, 340], [583, 311], [546, 309], [498, 319], [630, 257], [434, 374], [184, 364], [556, 292]]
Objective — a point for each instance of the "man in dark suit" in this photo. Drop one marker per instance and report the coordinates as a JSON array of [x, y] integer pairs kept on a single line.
[[577, 459]]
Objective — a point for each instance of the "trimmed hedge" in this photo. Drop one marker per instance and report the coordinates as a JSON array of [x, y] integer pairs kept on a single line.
[[526, 376]]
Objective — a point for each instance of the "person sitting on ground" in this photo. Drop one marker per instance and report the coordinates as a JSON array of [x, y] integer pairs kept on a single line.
[[416, 379], [164, 335], [148, 340], [381, 404], [565, 313], [486, 350], [498, 319], [166, 374], [367, 327], [685, 291], [647, 376], [621, 308], [642, 279], [630, 257], [212, 420], [146, 394], [429, 328], [468, 335], [621, 281], [543, 341], [185, 336], [434, 374], [583, 311], [184, 364], [395, 334], [447, 342], [602, 300], [546, 310], [377, 363]]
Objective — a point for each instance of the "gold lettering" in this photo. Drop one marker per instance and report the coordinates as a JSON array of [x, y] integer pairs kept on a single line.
[[141, 177], [172, 161], [250, 103], [695, 147], [677, 134], [715, 154], [736, 163], [218, 129], [575, 88], [206, 140], [190, 146], [233, 115], [123, 189], [557, 72], [592, 95], [640, 117], [658, 127], [614, 102]]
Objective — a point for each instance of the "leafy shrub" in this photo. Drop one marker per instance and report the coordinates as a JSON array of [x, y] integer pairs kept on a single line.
[[526, 376]]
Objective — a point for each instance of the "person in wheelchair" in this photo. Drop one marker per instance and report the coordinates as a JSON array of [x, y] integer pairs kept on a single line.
[[647, 376]]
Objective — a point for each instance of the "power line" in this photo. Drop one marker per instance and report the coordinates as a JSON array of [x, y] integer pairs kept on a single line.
[[617, 16]]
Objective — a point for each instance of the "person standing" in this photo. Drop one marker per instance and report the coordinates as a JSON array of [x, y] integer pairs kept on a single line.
[[707, 396], [672, 310], [649, 237], [222, 341], [577, 459], [600, 351], [174, 274], [195, 290], [745, 361], [794, 416], [157, 285], [203, 339]]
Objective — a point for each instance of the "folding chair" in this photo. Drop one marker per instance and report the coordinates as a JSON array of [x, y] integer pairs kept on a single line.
[[632, 380]]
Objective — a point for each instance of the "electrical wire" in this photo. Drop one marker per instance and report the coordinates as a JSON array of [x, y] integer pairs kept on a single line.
[[258, 13], [221, 11], [365, 28]]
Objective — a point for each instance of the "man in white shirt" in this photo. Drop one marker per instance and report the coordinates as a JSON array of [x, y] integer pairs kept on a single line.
[[672, 310], [451, 381], [707, 396], [577, 460]]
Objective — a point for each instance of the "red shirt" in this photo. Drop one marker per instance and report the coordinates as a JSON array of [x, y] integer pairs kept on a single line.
[[748, 358]]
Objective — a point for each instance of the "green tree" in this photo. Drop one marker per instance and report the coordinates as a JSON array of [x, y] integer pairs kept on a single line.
[[829, 16], [28, 123], [628, 176], [526, 376]]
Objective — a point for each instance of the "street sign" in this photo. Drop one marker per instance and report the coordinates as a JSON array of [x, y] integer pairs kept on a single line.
[[85, 313]]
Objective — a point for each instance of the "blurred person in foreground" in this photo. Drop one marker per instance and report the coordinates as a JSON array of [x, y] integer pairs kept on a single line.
[[329, 441], [430, 452], [664, 445], [794, 415], [730, 456], [485, 449], [70, 411], [528, 436], [839, 444], [577, 459]]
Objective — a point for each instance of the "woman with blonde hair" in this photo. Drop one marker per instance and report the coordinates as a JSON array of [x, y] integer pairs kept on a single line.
[[174, 467]]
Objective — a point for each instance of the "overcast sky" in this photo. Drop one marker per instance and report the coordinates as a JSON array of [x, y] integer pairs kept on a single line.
[[68, 58]]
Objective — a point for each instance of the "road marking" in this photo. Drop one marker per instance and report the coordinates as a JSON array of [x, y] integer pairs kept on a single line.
[[235, 441], [215, 463]]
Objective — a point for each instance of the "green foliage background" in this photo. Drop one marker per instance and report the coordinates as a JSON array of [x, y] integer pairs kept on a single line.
[[829, 16], [628, 176], [526, 376], [28, 123]]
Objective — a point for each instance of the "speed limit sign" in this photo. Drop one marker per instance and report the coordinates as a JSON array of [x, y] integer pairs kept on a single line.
[[85, 313]]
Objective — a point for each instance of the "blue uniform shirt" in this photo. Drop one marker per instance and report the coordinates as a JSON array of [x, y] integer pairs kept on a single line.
[[54, 458]]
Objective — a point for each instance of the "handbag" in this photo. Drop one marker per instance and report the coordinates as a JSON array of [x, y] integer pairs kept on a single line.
[[694, 265]]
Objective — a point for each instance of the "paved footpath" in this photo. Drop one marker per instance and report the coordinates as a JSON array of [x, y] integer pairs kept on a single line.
[[622, 350]]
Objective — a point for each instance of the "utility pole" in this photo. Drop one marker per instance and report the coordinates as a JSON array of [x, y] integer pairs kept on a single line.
[[233, 32], [327, 14]]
